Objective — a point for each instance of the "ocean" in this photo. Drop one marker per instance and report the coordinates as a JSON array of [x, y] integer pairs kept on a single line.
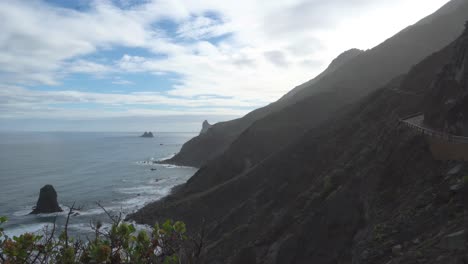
[[113, 169]]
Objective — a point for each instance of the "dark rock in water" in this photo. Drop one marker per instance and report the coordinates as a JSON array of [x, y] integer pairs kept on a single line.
[[47, 202], [205, 127], [147, 135]]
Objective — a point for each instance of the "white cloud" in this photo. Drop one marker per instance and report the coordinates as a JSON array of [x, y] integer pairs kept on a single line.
[[202, 27], [84, 66], [21, 102], [270, 47], [120, 81]]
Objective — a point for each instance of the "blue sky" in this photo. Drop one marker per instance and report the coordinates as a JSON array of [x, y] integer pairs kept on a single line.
[[167, 65]]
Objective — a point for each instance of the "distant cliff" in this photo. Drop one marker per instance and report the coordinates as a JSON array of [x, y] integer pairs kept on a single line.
[[205, 127]]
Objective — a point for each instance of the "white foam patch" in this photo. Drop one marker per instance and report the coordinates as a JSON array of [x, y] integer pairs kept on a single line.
[[146, 162], [28, 228], [147, 189], [155, 162], [138, 202], [86, 227], [172, 166], [82, 227], [94, 211], [106, 226], [168, 157], [23, 212]]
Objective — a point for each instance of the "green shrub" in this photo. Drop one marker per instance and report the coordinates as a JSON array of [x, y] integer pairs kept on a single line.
[[465, 179], [165, 244]]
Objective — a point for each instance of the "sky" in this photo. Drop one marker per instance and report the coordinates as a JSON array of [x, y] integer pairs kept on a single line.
[[167, 65]]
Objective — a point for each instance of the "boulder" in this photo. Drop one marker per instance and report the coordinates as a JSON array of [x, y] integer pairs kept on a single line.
[[47, 202]]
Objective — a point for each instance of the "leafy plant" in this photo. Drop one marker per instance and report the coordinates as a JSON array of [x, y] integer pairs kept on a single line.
[[165, 244], [465, 179]]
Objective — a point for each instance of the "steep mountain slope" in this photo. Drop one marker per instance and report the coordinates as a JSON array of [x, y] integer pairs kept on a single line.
[[205, 147], [447, 107], [353, 79], [341, 60], [359, 189]]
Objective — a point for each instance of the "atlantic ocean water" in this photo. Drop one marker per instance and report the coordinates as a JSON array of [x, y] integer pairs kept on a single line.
[[118, 170]]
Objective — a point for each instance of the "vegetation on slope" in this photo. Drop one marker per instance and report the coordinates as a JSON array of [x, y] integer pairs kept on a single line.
[[167, 243]]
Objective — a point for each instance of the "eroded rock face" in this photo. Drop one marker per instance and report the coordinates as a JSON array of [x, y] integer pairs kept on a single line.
[[205, 127], [47, 202], [447, 108]]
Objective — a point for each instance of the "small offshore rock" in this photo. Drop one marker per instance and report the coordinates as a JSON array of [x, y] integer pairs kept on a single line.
[[147, 135]]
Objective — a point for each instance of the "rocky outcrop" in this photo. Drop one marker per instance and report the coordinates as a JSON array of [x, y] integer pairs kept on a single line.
[[47, 202], [147, 135], [205, 127]]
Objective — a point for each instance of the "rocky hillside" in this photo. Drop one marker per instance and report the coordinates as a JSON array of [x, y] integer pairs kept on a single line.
[[339, 61], [447, 107], [354, 77], [359, 188]]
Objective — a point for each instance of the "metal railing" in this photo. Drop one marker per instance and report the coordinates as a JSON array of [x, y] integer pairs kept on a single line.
[[431, 132]]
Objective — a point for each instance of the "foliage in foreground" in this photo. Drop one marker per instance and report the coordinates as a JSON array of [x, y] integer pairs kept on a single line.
[[122, 243]]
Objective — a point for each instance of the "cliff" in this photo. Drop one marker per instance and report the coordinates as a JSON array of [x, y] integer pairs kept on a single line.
[[447, 107], [331, 177], [356, 189]]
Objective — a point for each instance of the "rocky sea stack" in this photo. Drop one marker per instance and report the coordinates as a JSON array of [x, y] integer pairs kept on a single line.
[[47, 202], [147, 135], [205, 127]]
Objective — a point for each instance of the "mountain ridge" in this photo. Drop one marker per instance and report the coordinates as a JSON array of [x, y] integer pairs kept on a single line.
[[343, 184], [337, 194], [364, 73]]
